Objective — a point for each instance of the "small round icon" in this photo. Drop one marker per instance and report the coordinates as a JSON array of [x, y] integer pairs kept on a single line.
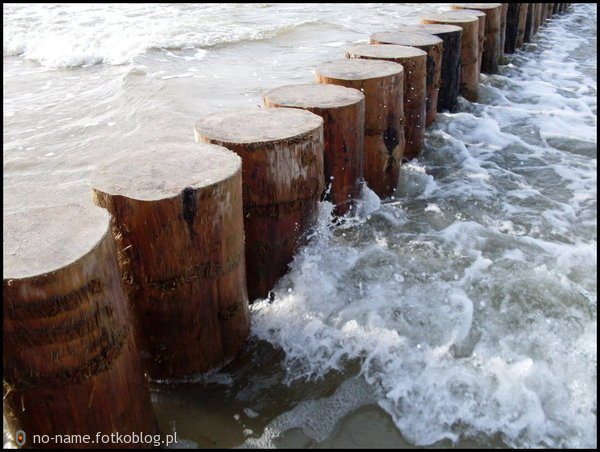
[[20, 437]]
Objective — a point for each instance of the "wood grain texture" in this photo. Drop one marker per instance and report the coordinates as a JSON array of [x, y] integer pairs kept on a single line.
[[68, 338], [343, 113], [283, 182], [469, 55], [382, 83], [179, 227], [434, 47]]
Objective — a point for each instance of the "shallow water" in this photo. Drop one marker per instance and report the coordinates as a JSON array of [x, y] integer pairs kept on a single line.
[[463, 311]]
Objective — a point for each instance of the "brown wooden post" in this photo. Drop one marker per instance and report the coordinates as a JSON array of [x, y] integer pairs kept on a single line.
[[523, 9], [528, 33], [492, 53], [512, 27], [177, 215], [414, 62], [71, 364], [283, 180], [480, 32], [555, 8], [543, 8], [382, 83], [549, 10], [343, 113], [434, 47], [503, 30], [469, 72], [450, 72]]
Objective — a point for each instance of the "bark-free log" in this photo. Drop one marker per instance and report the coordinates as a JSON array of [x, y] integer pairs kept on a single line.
[[492, 53], [523, 9], [469, 69], [68, 339], [450, 73], [537, 17], [177, 214], [556, 7], [528, 33], [382, 83], [343, 113], [434, 47], [503, 30], [549, 10], [480, 30], [512, 27], [544, 7], [283, 180], [414, 62]]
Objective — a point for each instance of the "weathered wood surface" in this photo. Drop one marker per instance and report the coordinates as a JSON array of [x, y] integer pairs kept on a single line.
[[492, 53], [67, 337], [434, 47], [523, 10], [503, 30], [283, 182], [480, 31], [177, 214], [343, 113], [451, 36], [414, 62], [382, 83], [512, 27], [469, 72]]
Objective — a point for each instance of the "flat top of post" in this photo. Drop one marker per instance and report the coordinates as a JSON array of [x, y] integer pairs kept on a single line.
[[317, 95], [257, 125], [467, 12], [356, 69], [161, 170], [385, 51], [406, 39], [434, 29], [453, 17], [482, 6], [41, 240]]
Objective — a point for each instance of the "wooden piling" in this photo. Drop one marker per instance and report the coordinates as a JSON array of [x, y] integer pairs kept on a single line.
[[177, 216], [434, 47], [480, 30], [523, 9], [469, 69], [528, 32], [450, 68], [383, 85], [549, 10], [71, 363], [555, 8], [283, 181], [414, 62], [492, 53], [512, 27], [537, 8], [542, 19], [503, 30], [343, 113]]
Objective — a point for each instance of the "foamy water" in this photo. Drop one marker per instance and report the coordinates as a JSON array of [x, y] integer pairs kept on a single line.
[[464, 309]]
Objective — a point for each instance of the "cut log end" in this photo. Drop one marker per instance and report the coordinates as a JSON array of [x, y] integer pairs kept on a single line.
[[415, 39], [350, 69], [313, 95]]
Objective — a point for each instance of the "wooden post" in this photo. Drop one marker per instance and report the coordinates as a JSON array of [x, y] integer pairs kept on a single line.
[[528, 33], [383, 85], [503, 30], [414, 62], [283, 180], [71, 364], [450, 73], [549, 10], [556, 7], [523, 9], [343, 113], [177, 215], [543, 8], [492, 54], [512, 26], [480, 30], [469, 70], [434, 47]]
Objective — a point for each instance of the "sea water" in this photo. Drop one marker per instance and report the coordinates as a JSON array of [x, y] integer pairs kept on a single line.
[[462, 311]]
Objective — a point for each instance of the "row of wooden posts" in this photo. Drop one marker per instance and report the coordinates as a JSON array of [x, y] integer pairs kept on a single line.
[[163, 271]]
